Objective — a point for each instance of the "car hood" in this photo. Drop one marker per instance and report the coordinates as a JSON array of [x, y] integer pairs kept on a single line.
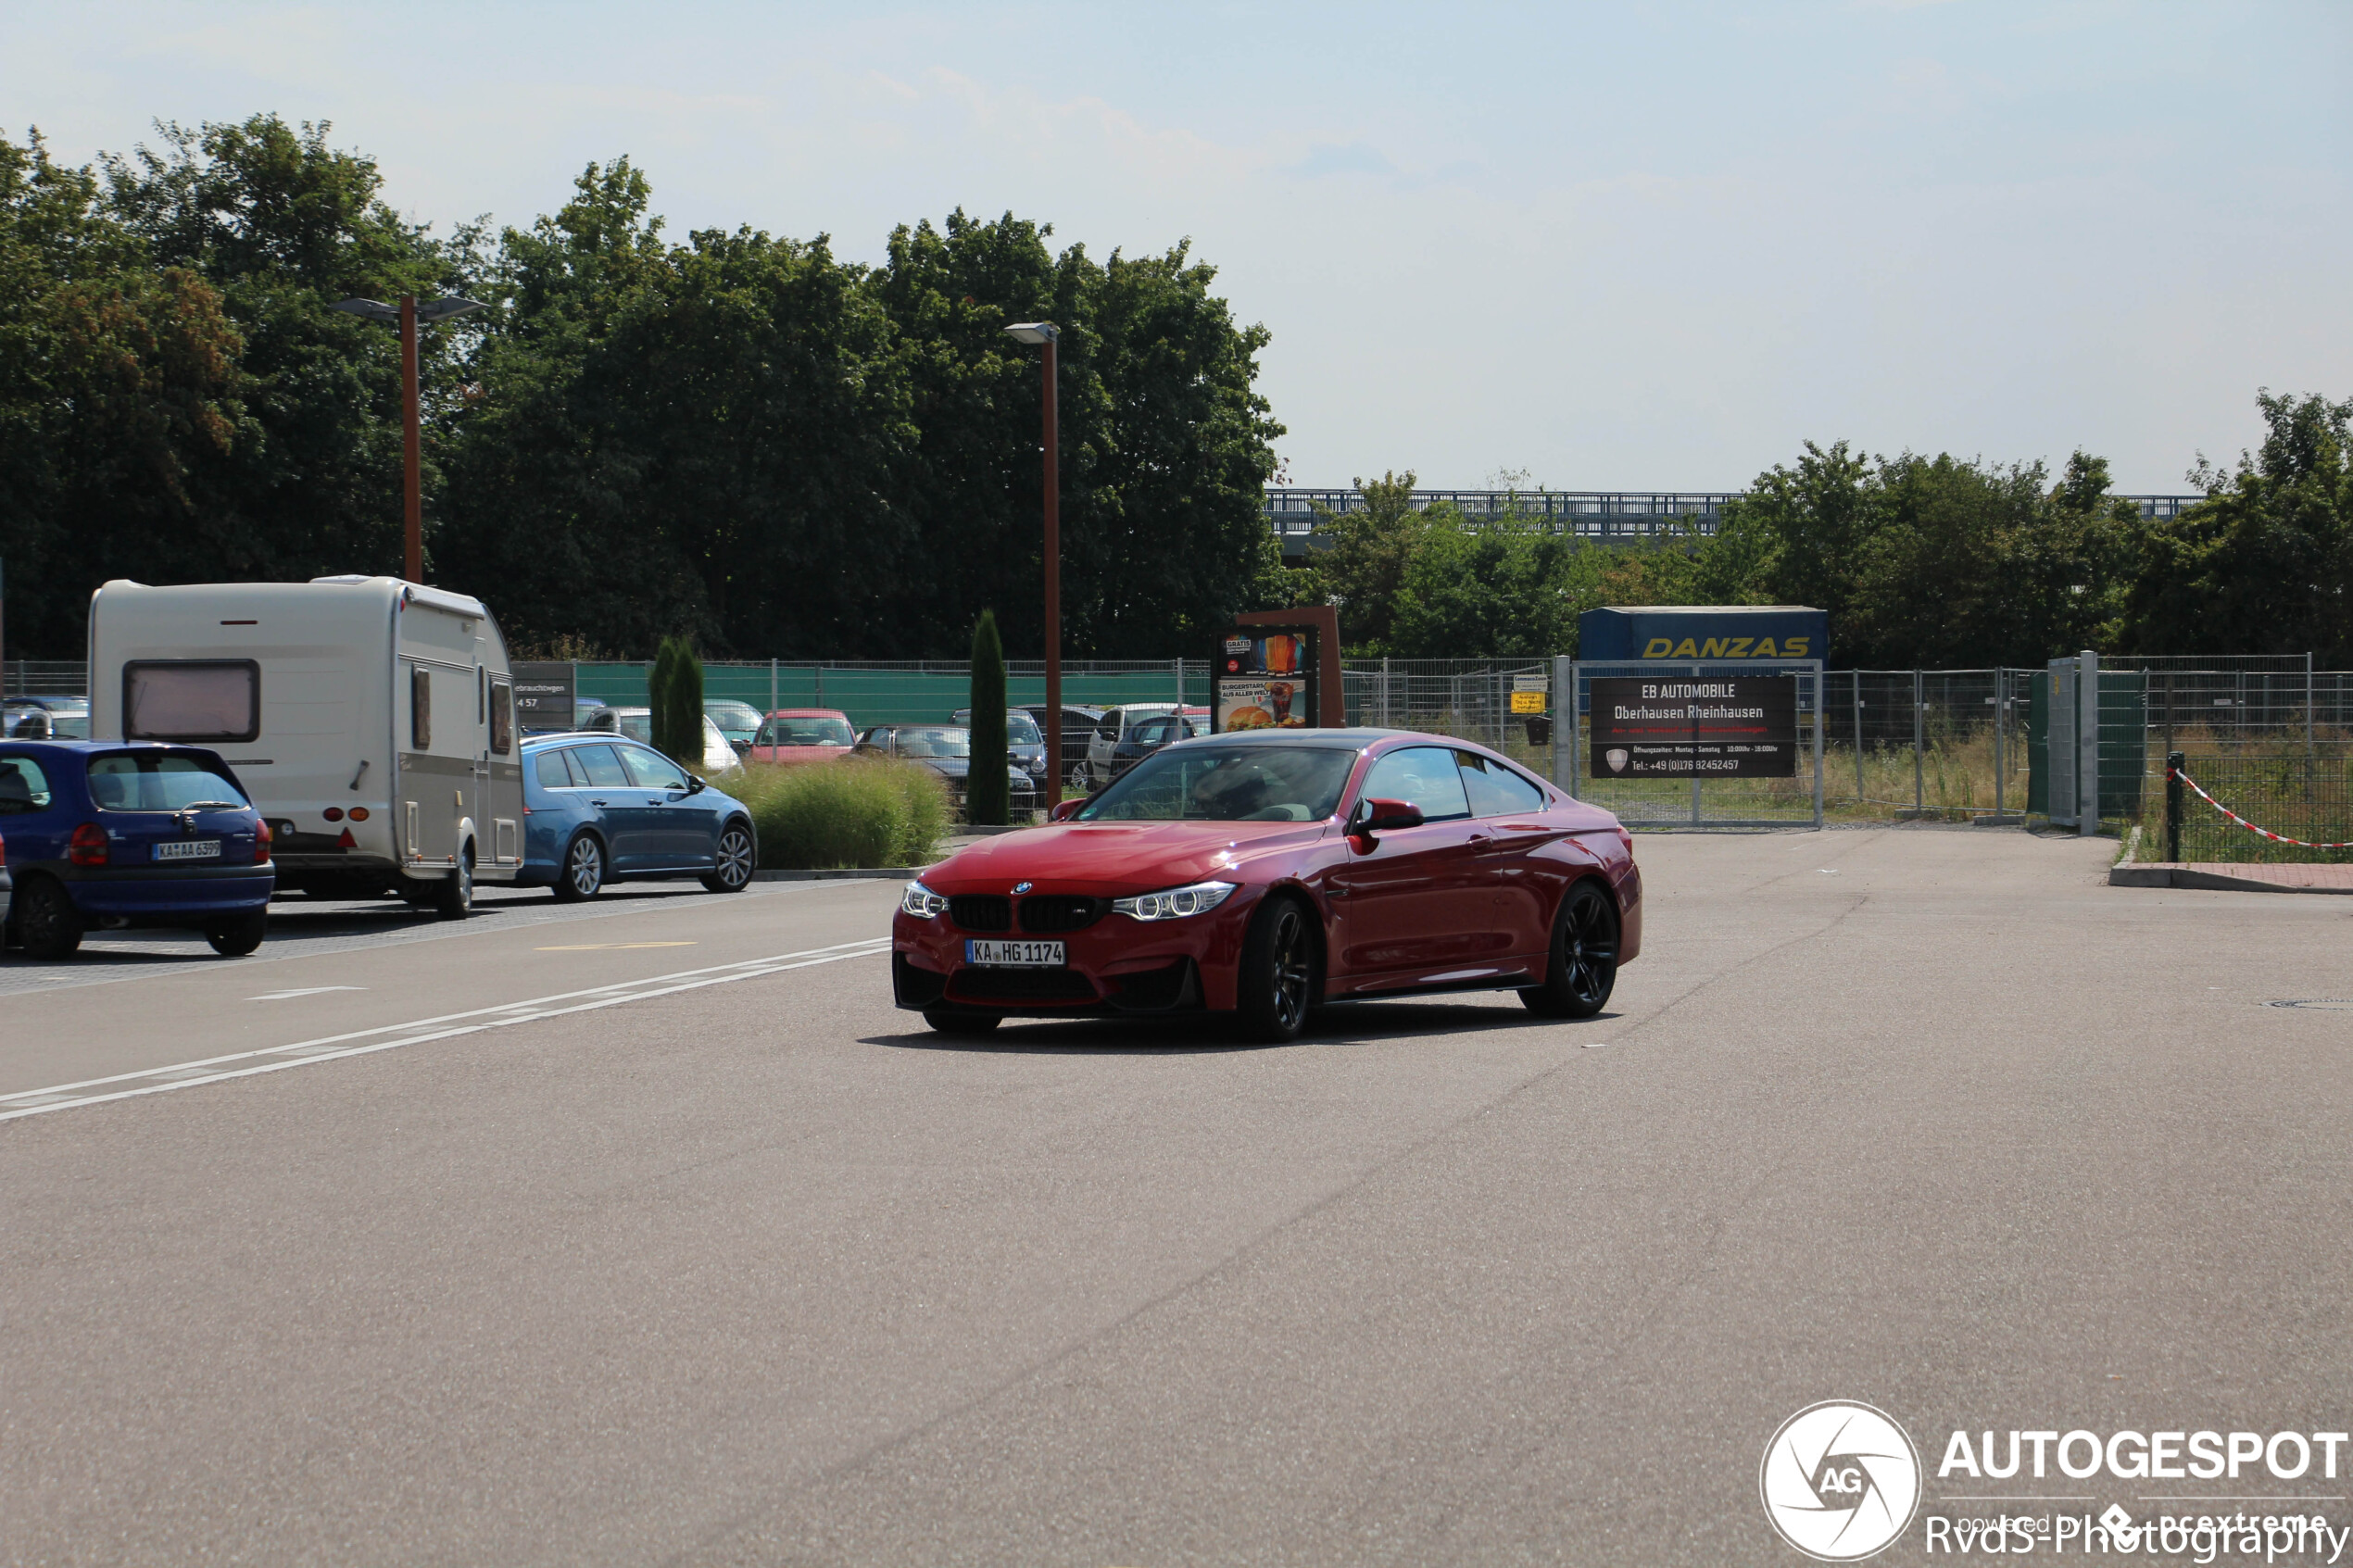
[[1114, 858]]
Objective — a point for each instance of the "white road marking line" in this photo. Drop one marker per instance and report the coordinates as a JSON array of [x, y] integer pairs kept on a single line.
[[305, 991], [608, 946], [360, 1042]]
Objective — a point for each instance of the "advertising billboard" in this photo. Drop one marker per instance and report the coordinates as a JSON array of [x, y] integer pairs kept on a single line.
[[1645, 631], [1264, 678], [543, 692], [1711, 726]]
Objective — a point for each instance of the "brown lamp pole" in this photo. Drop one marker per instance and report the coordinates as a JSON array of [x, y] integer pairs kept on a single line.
[[407, 315], [1046, 333]]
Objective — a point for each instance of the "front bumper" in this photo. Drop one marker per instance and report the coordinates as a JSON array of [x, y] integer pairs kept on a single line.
[[1115, 966]]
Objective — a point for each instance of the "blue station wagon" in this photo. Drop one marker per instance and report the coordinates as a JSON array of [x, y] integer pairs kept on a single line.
[[103, 833], [598, 807]]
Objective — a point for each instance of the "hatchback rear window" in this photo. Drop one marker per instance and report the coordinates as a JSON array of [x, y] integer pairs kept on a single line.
[[195, 699], [126, 781]]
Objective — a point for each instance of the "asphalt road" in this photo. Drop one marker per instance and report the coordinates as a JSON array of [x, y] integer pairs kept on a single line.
[[680, 1255]]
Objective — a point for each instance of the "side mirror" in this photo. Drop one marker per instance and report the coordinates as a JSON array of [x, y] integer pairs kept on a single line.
[[695, 786], [1066, 810], [743, 747], [1386, 816]]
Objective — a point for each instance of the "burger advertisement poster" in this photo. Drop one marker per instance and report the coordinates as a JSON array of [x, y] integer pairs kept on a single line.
[[1265, 679]]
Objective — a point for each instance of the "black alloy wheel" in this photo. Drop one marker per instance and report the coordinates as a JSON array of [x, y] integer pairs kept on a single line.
[[47, 923], [1276, 983], [736, 857], [1582, 966], [235, 938], [583, 876], [453, 895], [947, 1020]]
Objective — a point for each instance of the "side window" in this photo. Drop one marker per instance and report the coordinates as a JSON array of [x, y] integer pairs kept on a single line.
[[650, 770], [1423, 776], [502, 717], [552, 773], [1109, 729], [1495, 790], [419, 708], [600, 765], [205, 700], [23, 787]]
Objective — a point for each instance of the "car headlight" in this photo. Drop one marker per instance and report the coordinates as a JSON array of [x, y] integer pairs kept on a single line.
[[1175, 903], [922, 902]]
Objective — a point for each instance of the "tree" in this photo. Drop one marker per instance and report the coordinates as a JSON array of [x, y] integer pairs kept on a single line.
[[1360, 571], [988, 788], [659, 677], [675, 700]]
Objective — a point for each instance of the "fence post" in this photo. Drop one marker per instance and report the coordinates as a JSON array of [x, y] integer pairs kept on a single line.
[[2001, 715], [1856, 679], [2307, 700], [2087, 745], [1821, 718], [772, 685], [1695, 671], [1385, 721], [2174, 764], [1919, 793], [1564, 722]]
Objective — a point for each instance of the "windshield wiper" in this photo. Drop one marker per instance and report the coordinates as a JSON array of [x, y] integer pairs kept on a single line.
[[214, 806]]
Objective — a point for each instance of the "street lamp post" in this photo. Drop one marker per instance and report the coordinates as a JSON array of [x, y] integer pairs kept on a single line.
[[407, 315], [1045, 333]]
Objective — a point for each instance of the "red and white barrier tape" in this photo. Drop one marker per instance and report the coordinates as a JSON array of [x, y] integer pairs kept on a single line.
[[2261, 833]]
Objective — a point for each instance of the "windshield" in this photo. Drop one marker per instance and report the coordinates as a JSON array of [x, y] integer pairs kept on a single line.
[[934, 741], [1227, 783], [806, 732], [736, 721], [1022, 730], [158, 782]]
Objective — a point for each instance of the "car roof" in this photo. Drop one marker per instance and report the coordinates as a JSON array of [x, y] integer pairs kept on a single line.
[[808, 713], [1351, 739], [86, 745]]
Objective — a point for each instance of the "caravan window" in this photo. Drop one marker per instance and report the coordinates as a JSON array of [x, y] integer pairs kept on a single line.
[[502, 717], [419, 708], [192, 699]]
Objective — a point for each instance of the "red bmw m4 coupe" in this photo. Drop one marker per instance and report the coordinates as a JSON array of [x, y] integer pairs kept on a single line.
[[1263, 874]]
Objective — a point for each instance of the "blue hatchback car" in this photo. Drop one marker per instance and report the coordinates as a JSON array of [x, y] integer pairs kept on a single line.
[[104, 833], [599, 806]]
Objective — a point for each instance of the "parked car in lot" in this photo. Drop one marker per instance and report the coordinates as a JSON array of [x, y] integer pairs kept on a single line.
[[603, 807], [1079, 728], [1117, 728], [737, 721], [718, 759], [1024, 743], [1148, 735], [46, 718], [946, 750], [103, 833], [802, 735], [1262, 876]]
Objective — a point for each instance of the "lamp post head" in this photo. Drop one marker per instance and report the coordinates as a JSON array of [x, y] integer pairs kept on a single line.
[[373, 310], [442, 309], [1033, 332]]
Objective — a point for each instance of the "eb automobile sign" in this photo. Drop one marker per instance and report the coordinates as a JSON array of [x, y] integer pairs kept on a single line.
[[1701, 726]]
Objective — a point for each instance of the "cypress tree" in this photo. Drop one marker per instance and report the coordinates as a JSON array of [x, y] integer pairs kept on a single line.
[[684, 702], [987, 794], [658, 695]]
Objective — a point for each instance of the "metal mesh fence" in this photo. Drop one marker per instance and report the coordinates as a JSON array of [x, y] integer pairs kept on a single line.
[[2301, 793], [1467, 698], [44, 677], [907, 692]]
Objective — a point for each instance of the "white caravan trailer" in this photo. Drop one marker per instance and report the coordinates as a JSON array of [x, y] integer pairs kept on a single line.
[[372, 721]]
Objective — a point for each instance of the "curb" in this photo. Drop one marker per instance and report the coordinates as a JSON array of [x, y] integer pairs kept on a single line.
[[2183, 876]]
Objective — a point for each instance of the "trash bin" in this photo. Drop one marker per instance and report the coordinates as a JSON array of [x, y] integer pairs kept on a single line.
[[1539, 729]]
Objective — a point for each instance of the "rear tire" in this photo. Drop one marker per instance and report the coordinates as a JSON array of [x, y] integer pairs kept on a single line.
[[47, 923], [1275, 984], [581, 875], [962, 1025], [736, 855], [453, 895], [1580, 970], [235, 939]]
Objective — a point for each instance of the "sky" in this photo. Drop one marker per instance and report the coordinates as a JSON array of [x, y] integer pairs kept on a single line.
[[1608, 246]]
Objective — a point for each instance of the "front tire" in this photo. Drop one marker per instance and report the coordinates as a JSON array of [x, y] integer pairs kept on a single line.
[[47, 923], [1582, 968], [1276, 985], [962, 1025], [582, 877], [737, 856], [235, 939], [453, 895]]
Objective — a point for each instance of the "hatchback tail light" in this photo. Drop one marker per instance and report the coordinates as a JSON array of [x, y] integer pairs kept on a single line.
[[88, 845], [260, 844]]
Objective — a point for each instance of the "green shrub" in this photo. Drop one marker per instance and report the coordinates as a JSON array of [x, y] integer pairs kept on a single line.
[[858, 811]]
